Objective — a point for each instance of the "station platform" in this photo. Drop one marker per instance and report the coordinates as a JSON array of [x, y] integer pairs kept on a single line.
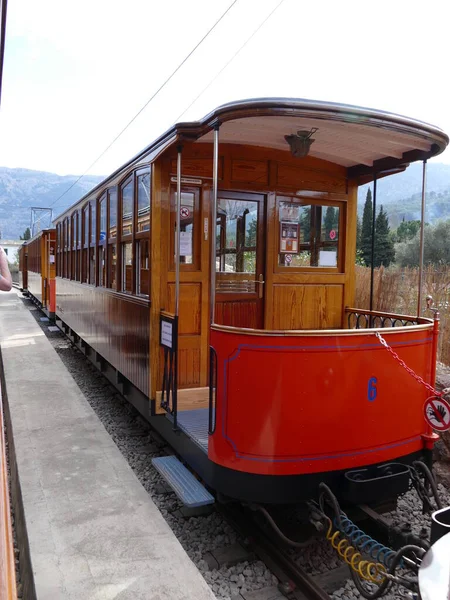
[[87, 529]]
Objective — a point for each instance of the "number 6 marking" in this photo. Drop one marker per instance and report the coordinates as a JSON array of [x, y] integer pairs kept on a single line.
[[372, 389]]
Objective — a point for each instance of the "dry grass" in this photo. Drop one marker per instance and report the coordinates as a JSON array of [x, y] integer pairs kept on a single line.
[[396, 290]]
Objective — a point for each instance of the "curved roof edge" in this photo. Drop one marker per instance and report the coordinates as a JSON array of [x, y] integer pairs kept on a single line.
[[331, 111]]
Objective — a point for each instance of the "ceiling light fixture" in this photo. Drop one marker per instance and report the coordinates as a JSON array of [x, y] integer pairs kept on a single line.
[[300, 143]]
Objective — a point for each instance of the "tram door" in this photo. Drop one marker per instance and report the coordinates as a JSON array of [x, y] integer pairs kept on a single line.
[[240, 265]]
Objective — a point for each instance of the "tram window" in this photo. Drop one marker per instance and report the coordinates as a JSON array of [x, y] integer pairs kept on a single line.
[[236, 237], [102, 215], [186, 228], [84, 255], [78, 245], [127, 209], [101, 266], [143, 199], [102, 241], [308, 235], [73, 252], [112, 262], [142, 268], [127, 267], [92, 266], [112, 201]]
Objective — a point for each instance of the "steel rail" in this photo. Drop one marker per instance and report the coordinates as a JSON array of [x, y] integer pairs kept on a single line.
[[8, 590], [302, 585]]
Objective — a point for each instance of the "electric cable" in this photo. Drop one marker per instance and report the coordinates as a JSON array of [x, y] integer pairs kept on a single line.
[[230, 61], [148, 101]]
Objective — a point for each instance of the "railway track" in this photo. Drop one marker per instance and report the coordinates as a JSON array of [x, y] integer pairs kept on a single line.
[[295, 582]]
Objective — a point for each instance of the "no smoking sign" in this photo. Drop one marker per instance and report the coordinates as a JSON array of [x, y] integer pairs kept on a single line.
[[437, 413]]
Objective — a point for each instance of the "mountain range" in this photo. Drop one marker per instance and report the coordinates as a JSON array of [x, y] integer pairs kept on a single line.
[[21, 189], [400, 195]]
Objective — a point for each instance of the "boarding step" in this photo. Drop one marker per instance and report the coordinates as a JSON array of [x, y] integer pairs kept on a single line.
[[188, 489]]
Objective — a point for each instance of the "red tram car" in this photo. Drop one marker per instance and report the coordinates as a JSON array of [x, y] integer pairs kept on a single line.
[[212, 279]]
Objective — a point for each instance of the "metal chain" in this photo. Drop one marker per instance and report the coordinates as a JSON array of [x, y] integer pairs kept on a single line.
[[418, 378]]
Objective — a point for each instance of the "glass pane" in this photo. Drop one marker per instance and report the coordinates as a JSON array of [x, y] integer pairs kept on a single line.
[[186, 228], [142, 270], [101, 266], [92, 266], [127, 267], [127, 209], [112, 261], [308, 235], [236, 245], [112, 199], [86, 225], [143, 184], [93, 222], [102, 205]]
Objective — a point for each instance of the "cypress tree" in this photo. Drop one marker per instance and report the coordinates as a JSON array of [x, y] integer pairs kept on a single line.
[[366, 229], [384, 246]]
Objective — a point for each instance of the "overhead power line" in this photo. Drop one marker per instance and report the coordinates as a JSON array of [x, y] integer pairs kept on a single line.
[[148, 101], [230, 61]]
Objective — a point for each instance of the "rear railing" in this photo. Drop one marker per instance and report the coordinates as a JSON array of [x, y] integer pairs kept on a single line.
[[370, 319]]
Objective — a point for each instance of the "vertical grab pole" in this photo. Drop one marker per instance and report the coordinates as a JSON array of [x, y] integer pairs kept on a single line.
[[177, 238], [177, 291], [422, 227], [372, 254], [213, 222]]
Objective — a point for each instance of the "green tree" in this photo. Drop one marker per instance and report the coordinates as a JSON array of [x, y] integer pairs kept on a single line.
[[26, 234], [407, 230], [436, 246], [384, 246], [366, 229], [358, 235], [330, 221]]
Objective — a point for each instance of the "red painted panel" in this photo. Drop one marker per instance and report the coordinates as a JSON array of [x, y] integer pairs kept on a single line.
[[303, 404]]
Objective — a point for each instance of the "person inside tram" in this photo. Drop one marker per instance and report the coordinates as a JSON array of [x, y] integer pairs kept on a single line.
[[5, 275]]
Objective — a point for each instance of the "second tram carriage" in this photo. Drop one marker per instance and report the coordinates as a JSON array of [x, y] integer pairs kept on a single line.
[[212, 278], [37, 269]]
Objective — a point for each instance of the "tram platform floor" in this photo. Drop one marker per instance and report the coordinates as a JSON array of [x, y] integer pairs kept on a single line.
[[93, 531]]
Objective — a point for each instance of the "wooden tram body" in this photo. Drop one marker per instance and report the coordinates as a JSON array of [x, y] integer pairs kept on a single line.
[[37, 267], [280, 389], [23, 268]]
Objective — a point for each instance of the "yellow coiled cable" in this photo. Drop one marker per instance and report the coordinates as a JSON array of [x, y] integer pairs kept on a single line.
[[367, 570]]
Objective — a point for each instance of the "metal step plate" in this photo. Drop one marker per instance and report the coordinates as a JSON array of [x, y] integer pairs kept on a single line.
[[190, 491]]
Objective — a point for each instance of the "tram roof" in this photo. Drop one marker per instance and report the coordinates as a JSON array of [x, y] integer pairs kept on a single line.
[[364, 140]]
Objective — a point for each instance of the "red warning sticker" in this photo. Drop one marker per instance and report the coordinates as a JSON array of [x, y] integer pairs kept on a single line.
[[437, 413]]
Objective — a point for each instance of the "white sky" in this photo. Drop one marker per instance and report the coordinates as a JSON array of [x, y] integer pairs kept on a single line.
[[76, 72]]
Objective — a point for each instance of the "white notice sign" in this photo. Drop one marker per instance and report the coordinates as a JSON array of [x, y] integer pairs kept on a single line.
[[185, 243], [327, 258], [166, 334]]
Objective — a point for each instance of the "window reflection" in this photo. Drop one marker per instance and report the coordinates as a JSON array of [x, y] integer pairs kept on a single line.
[[143, 185], [127, 209], [308, 235]]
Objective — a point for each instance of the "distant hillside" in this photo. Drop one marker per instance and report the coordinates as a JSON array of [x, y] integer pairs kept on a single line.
[[401, 195], [21, 189]]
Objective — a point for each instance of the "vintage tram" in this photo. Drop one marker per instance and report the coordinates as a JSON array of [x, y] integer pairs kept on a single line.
[[212, 279], [37, 269]]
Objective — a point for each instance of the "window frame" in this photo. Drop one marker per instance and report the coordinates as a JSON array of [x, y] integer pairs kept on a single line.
[[306, 201]]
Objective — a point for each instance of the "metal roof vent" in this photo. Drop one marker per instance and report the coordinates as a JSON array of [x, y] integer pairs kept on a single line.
[[301, 142]]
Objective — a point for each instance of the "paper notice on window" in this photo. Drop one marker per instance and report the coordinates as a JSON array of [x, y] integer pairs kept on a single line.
[[52, 259], [185, 243], [327, 258]]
